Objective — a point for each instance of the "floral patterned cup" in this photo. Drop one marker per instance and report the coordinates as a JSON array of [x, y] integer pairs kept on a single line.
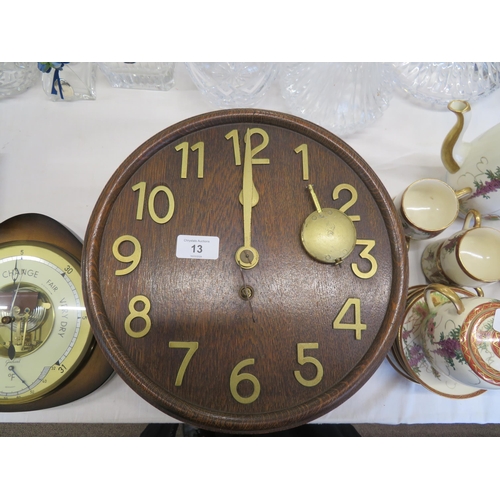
[[470, 257], [461, 337], [427, 207]]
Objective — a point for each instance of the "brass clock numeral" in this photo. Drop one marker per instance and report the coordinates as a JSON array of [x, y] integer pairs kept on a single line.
[[357, 326], [236, 145], [234, 135], [350, 203], [305, 160], [365, 254], [134, 258], [184, 148], [237, 377], [141, 188], [142, 314], [302, 360], [247, 256], [191, 347], [260, 147]]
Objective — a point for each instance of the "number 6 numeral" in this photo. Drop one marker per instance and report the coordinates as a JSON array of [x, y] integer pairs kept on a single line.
[[237, 377]]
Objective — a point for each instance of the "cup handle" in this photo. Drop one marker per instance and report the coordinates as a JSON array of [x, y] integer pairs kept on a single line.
[[447, 292], [462, 193], [472, 214]]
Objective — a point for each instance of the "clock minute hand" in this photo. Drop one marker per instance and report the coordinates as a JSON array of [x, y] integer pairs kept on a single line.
[[247, 256], [247, 191]]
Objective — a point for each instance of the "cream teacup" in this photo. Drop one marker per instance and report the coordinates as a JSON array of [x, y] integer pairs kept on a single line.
[[427, 207], [461, 337], [470, 257]]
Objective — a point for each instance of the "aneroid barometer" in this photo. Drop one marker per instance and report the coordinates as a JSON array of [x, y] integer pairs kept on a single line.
[[245, 271], [48, 355]]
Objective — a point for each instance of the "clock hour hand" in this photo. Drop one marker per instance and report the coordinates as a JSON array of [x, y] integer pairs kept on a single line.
[[247, 256]]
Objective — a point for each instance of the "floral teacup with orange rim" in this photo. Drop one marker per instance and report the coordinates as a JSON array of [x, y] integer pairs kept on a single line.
[[461, 338]]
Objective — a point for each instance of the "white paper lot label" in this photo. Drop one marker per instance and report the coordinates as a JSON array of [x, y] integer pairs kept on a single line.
[[197, 247]]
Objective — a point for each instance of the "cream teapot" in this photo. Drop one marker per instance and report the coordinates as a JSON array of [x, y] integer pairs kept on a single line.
[[473, 164]]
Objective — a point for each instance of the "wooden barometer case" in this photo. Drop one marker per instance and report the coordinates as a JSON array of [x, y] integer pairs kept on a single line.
[[48, 354], [245, 271]]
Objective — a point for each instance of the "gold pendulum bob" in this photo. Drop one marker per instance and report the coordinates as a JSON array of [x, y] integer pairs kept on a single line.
[[328, 235]]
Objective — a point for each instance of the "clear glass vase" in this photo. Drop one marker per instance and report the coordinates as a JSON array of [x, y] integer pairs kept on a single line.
[[342, 97], [438, 83], [17, 77], [233, 85], [139, 75], [74, 81]]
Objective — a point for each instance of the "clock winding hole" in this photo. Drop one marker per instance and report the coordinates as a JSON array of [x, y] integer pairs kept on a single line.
[[246, 292]]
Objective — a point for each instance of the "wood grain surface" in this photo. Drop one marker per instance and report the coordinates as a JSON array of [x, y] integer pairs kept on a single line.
[[296, 298]]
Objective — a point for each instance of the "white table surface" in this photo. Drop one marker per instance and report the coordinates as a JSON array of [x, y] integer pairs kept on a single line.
[[56, 157]]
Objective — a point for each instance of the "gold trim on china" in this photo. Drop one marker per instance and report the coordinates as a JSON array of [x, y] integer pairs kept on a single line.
[[452, 137], [407, 367]]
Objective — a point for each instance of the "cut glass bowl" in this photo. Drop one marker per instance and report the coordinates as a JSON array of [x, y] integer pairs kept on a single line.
[[17, 77], [342, 97], [438, 83], [233, 85]]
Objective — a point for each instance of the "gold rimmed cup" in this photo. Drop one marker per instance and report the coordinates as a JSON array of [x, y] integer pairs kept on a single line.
[[427, 207], [470, 257]]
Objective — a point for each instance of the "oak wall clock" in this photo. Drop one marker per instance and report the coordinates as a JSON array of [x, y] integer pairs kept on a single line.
[[245, 271], [48, 354]]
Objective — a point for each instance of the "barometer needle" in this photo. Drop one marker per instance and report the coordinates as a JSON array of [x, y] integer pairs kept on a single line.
[[12, 369], [12, 350]]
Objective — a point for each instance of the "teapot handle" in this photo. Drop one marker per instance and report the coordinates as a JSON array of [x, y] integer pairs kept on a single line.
[[459, 108], [447, 292]]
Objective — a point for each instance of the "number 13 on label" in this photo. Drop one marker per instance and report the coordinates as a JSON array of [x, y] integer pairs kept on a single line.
[[197, 247]]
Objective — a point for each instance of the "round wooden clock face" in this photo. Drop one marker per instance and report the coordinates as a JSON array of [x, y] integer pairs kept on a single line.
[[245, 271]]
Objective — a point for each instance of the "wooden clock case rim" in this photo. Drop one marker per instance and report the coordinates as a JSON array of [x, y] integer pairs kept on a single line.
[[202, 417]]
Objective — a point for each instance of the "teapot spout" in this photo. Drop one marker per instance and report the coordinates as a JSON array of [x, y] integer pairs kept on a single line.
[[454, 138]]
